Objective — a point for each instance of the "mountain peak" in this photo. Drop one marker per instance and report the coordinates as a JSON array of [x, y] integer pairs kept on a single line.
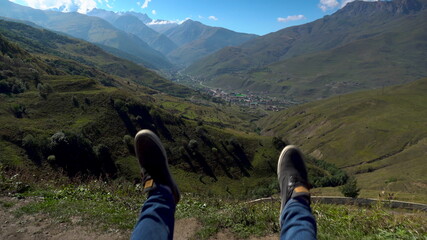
[[396, 7], [191, 22]]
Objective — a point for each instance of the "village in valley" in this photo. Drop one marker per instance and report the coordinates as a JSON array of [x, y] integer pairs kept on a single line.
[[247, 99]]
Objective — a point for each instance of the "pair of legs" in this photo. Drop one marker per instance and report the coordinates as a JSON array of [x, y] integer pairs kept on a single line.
[[156, 220]]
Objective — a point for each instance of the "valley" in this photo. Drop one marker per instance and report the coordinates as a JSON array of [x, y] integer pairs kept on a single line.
[[349, 89]]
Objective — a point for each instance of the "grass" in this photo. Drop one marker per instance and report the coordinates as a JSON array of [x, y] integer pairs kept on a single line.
[[375, 135], [11, 155], [115, 205]]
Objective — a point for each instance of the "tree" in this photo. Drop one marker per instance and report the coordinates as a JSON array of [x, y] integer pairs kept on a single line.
[[350, 189]]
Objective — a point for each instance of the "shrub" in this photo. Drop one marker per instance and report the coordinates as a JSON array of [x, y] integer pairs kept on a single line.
[[74, 154], [350, 189], [75, 101], [51, 158], [120, 106], [18, 110], [128, 141], [193, 144], [278, 143], [44, 90]]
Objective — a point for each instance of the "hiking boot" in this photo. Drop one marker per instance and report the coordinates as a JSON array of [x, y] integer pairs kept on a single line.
[[154, 163], [292, 175]]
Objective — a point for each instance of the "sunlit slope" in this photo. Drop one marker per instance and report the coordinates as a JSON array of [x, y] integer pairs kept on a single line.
[[62, 110], [380, 135], [362, 46], [77, 57]]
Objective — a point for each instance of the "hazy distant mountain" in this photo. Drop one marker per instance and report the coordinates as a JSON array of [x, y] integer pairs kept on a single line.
[[181, 43], [89, 28], [161, 26], [132, 22], [111, 16], [141, 16], [196, 40], [363, 45]]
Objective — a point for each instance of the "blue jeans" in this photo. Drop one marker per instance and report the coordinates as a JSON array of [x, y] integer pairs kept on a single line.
[[297, 221], [157, 218]]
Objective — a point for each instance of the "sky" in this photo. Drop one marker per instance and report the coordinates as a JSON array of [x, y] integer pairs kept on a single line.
[[248, 16]]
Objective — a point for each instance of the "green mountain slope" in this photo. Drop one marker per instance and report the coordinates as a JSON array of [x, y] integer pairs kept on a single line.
[[66, 105], [196, 41], [62, 98], [379, 135], [92, 59], [88, 28], [363, 45]]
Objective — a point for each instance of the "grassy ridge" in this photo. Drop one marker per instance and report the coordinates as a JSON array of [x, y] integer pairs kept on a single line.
[[379, 135], [115, 205]]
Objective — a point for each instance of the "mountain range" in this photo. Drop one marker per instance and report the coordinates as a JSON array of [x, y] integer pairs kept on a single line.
[[363, 45], [183, 43], [129, 36], [92, 29]]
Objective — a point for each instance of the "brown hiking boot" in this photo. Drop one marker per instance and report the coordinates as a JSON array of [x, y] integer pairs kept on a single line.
[[154, 163]]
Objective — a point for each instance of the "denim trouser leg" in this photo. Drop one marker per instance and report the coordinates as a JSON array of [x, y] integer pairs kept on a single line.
[[157, 217], [297, 221]]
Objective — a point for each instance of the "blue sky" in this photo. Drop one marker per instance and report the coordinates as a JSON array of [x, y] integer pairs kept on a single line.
[[249, 16]]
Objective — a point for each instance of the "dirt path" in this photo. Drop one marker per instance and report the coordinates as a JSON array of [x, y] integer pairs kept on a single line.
[[41, 226]]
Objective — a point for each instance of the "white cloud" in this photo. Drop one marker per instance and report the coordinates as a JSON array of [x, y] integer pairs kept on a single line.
[[328, 4], [291, 18], [162, 22], [108, 5], [213, 18], [201, 17], [154, 12], [138, 3], [81, 6], [145, 5]]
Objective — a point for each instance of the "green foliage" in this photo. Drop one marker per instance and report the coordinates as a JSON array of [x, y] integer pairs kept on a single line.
[[18, 110], [129, 142], [278, 143], [265, 189], [36, 147], [193, 144], [324, 174], [11, 185], [12, 85], [44, 90], [350, 189], [120, 106], [74, 153]]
